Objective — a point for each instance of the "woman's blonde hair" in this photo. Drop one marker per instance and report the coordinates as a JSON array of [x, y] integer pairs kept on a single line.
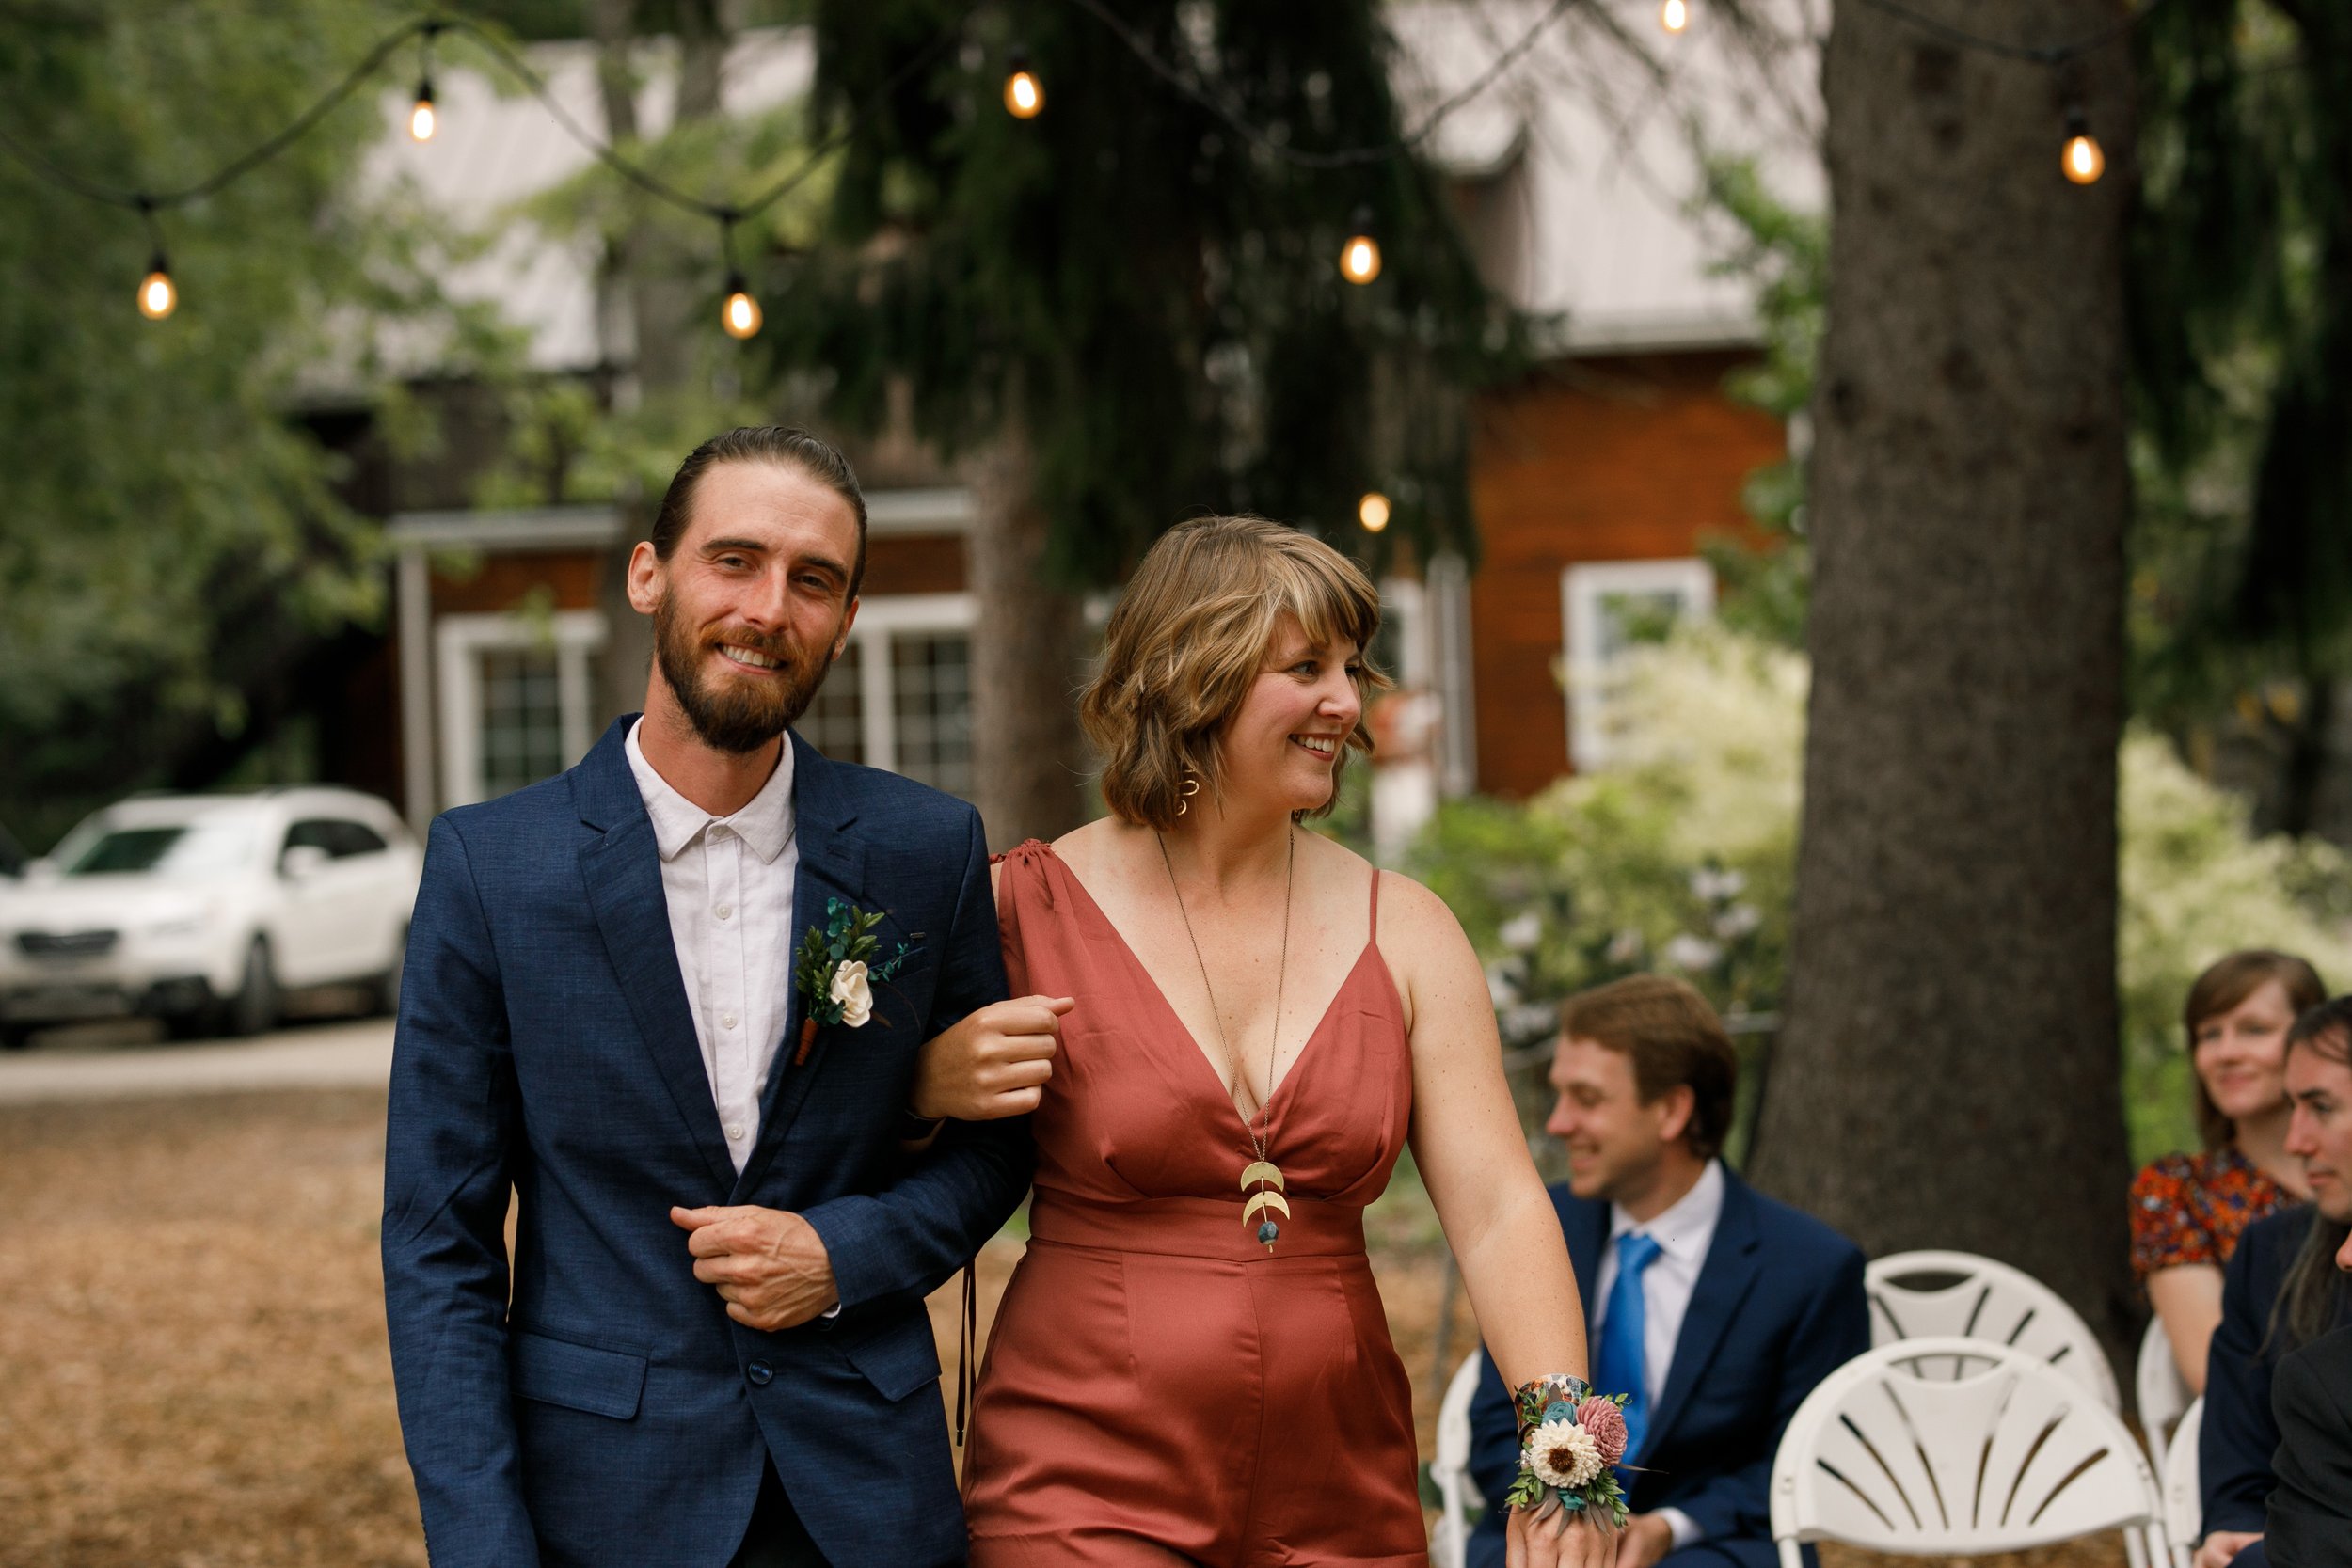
[[1187, 639]]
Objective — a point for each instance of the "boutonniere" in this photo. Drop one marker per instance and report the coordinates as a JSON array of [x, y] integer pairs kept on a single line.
[[834, 973]]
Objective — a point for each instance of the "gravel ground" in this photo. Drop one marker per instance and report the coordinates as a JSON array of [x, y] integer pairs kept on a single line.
[[192, 1362]]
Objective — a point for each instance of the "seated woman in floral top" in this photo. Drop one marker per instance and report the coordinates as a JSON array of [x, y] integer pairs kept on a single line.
[[2187, 1210]]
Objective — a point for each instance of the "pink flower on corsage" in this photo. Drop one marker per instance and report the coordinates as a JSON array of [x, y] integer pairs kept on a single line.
[[1606, 1422]]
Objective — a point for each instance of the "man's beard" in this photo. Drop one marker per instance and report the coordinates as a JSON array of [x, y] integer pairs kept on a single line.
[[737, 715]]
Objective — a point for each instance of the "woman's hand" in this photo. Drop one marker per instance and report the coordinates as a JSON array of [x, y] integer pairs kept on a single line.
[[995, 1063], [1548, 1536]]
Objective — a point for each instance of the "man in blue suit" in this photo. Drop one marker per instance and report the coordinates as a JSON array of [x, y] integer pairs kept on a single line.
[[711, 1348], [1714, 1309], [2282, 1289]]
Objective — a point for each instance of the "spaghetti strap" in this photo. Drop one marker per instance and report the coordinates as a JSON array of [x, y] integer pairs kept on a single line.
[[1374, 934]]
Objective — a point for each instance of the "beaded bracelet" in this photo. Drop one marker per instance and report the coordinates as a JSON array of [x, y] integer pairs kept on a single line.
[[1570, 1437]]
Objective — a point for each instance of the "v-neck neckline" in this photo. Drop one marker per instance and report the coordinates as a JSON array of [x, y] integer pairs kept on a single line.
[[1274, 1091]]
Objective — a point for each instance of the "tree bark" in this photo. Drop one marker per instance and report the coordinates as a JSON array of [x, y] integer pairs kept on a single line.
[[1028, 757], [1949, 1075]]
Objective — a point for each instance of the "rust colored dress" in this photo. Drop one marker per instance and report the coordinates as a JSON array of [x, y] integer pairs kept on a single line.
[[1159, 1388]]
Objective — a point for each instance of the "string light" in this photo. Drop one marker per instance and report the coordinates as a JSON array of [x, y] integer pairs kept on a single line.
[[739, 313], [1024, 98], [2083, 161], [158, 296], [1359, 258], [1674, 15], [423, 118], [1372, 512]]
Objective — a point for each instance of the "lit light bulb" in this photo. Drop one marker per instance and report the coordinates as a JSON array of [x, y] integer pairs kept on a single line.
[[1024, 98], [1372, 512], [423, 120], [741, 314], [1674, 15], [2083, 161], [158, 296], [1359, 258]]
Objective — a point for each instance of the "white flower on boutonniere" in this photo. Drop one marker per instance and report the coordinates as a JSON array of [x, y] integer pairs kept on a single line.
[[851, 990]]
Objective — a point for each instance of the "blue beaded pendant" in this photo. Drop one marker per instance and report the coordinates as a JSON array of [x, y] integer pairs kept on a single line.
[[1266, 1233], [1267, 1201]]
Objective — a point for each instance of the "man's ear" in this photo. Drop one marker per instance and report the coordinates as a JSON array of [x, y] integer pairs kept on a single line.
[[1676, 1106], [841, 638], [649, 575]]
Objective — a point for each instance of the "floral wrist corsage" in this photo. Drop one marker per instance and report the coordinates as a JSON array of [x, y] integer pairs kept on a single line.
[[1570, 1437]]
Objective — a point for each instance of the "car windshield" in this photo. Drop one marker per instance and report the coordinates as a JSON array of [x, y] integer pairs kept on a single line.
[[205, 846]]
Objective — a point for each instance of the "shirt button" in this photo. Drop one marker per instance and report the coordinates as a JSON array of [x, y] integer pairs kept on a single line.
[[760, 1374], [726, 1020], [736, 1132], [718, 831], [723, 910]]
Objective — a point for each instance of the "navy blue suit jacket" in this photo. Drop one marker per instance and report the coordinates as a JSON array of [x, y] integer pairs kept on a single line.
[[610, 1411], [1778, 1306], [2241, 1431]]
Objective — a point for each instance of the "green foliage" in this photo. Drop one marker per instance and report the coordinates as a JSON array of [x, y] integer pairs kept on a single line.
[[165, 529], [845, 936], [1624, 870], [1148, 300]]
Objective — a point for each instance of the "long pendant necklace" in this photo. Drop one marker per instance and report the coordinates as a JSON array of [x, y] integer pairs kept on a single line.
[[1262, 1179]]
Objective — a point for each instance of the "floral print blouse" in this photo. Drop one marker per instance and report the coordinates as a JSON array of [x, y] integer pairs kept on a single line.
[[2191, 1207]]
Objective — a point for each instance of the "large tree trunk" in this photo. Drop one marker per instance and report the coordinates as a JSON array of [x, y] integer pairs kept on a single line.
[[1028, 759], [1949, 1073], [650, 294]]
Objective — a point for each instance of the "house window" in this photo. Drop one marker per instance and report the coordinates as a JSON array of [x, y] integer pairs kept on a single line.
[[1607, 609], [517, 699], [900, 695]]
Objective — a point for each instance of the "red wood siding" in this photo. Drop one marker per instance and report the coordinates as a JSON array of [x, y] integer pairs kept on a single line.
[[1605, 459]]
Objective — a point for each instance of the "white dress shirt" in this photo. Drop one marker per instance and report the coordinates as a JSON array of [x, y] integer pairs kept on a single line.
[[728, 883], [1683, 1234]]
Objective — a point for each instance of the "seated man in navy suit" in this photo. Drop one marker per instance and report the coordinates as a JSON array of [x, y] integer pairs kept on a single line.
[[1714, 1309], [2282, 1290]]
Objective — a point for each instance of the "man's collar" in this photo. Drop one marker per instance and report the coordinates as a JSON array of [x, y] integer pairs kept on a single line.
[[765, 822], [1683, 1226]]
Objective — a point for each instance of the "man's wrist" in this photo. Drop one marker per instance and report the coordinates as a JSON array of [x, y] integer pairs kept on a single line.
[[914, 1127]]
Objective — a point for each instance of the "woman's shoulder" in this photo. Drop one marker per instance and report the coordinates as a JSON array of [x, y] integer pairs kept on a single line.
[[2170, 1176]]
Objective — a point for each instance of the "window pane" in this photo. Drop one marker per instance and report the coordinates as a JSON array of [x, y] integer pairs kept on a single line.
[[523, 720], [835, 721], [931, 678]]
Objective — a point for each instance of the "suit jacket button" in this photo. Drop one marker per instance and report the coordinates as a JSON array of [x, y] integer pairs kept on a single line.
[[760, 1374]]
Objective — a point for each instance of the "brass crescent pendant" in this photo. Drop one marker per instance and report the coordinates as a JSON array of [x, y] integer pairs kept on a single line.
[[1267, 1201]]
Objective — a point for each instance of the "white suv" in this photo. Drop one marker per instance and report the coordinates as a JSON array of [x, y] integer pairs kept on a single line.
[[200, 909]]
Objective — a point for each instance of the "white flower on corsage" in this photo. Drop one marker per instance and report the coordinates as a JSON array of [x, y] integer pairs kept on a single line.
[[1562, 1453], [851, 990]]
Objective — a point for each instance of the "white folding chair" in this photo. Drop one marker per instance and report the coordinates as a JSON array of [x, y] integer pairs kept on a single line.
[[1982, 1298], [2161, 1391], [1449, 1469], [2183, 1504], [1892, 1455]]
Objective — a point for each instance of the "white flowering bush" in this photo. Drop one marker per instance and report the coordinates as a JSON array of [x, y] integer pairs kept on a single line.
[[1681, 858]]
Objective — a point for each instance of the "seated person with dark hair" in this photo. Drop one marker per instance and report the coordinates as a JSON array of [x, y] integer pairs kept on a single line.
[[1714, 1309], [2310, 1509], [2282, 1292]]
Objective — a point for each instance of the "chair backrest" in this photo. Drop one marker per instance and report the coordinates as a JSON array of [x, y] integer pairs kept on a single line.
[[1449, 1469], [1892, 1455], [2183, 1504], [2161, 1391], [1914, 1294]]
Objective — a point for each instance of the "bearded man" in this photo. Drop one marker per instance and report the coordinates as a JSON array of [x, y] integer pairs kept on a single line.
[[731, 1195]]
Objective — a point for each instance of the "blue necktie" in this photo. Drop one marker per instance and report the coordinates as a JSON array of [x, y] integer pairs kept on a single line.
[[1621, 1368]]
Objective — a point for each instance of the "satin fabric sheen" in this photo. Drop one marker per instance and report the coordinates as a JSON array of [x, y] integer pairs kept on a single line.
[[1159, 1388]]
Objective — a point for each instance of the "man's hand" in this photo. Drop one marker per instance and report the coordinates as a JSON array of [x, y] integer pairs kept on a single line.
[[1645, 1539], [2223, 1545], [993, 1064], [771, 1267]]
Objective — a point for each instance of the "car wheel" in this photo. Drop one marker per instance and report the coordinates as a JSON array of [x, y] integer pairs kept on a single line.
[[15, 1037], [388, 983], [254, 1008], [197, 1024]]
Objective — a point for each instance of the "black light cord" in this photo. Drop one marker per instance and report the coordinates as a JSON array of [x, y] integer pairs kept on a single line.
[[2057, 54]]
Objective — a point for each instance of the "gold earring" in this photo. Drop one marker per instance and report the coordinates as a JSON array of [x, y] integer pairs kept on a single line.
[[1190, 788]]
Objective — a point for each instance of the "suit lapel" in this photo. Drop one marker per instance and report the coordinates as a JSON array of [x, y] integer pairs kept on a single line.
[[622, 869], [1724, 1282], [832, 865]]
